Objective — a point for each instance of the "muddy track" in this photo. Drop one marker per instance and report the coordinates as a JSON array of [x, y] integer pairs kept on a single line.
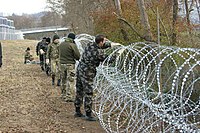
[[28, 102]]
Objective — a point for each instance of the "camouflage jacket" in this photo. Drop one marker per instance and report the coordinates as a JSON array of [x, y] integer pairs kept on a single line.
[[90, 59], [53, 51], [28, 55]]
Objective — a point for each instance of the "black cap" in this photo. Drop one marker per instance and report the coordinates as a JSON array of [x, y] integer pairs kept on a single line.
[[71, 35], [28, 49], [55, 37], [48, 40]]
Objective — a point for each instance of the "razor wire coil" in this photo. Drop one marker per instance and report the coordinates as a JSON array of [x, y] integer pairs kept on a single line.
[[147, 88]]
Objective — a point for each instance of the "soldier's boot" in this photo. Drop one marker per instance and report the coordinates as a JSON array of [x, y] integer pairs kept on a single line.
[[58, 83], [42, 67], [53, 79], [63, 93], [78, 113], [89, 117]]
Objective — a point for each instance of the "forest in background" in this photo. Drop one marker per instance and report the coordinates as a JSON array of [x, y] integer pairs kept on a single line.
[[169, 22]]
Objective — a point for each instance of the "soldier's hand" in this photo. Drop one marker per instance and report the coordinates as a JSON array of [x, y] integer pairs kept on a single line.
[[113, 44], [42, 51], [47, 61]]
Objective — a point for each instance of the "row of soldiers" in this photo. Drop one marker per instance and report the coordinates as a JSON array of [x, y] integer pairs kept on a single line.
[[76, 85]]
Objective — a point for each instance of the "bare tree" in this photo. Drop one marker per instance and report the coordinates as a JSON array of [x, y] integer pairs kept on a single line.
[[187, 12], [198, 10], [51, 19], [191, 5], [175, 14], [24, 21], [119, 13], [78, 13], [144, 20]]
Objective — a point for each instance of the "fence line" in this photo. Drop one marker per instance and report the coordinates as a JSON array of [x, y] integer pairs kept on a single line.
[[146, 89]]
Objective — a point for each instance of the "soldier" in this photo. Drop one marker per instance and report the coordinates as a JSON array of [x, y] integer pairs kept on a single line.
[[69, 53], [39, 53], [44, 46], [43, 52], [86, 71], [28, 57], [0, 55], [53, 54], [47, 65]]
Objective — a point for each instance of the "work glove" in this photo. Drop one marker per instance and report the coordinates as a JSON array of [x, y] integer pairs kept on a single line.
[[113, 44], [41, 51], [47, 61]]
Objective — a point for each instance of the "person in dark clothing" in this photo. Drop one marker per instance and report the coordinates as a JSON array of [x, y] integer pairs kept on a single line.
[[48, 40], [0, 55], [43, 52], [39, 44], [38, 52], [44, 46], [47, 65], [86, 71]]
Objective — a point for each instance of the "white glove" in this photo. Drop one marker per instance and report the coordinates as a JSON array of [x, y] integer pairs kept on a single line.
[[47, 61], [113, 44], [41, 51]]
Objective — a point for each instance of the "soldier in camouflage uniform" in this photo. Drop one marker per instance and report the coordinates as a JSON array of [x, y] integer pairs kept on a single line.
[[28, 57], [53, 56], [86, 71], [69, 53]]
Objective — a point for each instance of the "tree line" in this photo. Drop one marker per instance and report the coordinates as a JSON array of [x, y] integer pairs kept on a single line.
[[163, 21]]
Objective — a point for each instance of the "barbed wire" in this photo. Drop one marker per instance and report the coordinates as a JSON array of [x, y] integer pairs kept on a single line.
[[148, 88]]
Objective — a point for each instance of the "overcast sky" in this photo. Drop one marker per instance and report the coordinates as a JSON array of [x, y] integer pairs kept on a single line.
[[22, 6]]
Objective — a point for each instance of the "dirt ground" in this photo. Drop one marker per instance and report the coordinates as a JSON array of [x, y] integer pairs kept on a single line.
[[28, 101]]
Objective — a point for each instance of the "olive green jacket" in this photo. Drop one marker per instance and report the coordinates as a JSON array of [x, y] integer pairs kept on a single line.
[[69, 52]]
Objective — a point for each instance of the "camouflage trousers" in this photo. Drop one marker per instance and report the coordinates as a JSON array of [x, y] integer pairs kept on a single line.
[[67, 81], [84, 90], [55, 68]]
